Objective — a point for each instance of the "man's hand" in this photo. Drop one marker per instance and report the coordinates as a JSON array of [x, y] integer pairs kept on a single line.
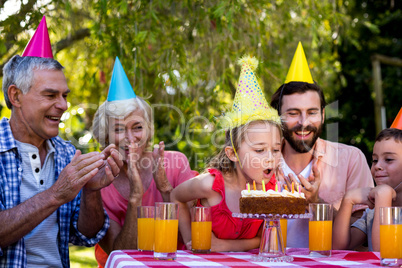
[[280, 176], [108, 171], [82, 168], [114, 159], [309, 186], [312, 184]]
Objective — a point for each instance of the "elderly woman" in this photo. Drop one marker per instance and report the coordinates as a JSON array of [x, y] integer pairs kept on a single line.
[[146, 177]]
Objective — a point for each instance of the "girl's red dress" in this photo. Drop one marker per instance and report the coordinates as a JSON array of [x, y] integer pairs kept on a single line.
[[224, 225]]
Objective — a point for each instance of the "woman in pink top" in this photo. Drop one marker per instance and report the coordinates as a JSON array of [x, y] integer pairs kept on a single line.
[[146, 177]]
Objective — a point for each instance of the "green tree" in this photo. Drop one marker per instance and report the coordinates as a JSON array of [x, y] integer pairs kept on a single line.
[[181, 56], [374, 29]]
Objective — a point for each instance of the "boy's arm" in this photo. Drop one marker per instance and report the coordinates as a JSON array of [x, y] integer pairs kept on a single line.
[[382, 196], [343, 237]]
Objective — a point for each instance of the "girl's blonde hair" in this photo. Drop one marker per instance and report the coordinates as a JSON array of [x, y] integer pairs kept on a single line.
[[221, 161], [119, 109]]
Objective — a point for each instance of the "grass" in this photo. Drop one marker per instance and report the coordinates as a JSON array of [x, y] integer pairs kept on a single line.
[[82, 257]]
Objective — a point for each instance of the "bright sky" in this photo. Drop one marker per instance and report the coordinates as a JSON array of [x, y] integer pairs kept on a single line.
[[10, 7]]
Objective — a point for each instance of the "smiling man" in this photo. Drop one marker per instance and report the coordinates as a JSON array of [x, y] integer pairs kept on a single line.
[[325, 169], [49, 191]]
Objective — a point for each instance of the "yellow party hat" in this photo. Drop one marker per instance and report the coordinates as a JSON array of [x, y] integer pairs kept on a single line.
[[299, 70], [249, 103]]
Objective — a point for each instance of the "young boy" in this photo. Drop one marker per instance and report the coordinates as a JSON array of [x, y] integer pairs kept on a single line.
[[387, 172]]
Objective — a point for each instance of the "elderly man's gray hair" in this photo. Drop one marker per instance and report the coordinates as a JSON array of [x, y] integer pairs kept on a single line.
[[19, 71]]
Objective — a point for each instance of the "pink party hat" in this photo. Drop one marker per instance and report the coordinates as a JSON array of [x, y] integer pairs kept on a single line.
[[39, 45]]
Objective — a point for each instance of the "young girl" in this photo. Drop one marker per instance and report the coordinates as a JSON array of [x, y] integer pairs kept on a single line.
[[386, 170], [250, 155]]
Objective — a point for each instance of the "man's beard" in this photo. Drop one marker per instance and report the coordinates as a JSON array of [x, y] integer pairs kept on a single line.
[[301, 146]]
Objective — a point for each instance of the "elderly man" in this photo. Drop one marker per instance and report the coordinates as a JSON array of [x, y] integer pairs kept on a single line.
[[325, 169], [42, 207]]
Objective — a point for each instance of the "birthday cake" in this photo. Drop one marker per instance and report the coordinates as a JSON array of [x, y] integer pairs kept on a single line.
[[272, 202]]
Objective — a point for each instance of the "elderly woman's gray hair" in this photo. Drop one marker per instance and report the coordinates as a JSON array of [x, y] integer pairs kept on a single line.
[[19, 71], [119, 109]]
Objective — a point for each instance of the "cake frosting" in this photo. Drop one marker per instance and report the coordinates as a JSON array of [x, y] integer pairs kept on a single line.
[[272, 202], [270, 193]]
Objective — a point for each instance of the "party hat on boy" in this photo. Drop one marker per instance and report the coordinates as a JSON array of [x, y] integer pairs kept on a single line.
[[39, 45], [398, 120], [299, 70], [120, 88], [249, 103]]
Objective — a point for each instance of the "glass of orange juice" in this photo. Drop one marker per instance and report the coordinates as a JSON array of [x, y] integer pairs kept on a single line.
[[391, 236], [145, 227], [284, 228], [320, 229], [166, 230], [201, 228]]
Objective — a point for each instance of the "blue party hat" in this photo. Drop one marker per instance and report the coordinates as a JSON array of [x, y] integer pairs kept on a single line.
[[120, 88]]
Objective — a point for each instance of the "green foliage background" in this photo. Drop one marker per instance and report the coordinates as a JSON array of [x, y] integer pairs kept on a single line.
[[201, 41]]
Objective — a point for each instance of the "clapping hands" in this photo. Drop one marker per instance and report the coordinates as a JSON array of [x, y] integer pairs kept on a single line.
[[136, 187], [159, 173], [109, 170]]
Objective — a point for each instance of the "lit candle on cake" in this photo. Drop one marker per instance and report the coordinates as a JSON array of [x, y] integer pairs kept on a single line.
[[255, 189], [276, 187], [263, 185], [293, 187], [248, 186], [298, 188]]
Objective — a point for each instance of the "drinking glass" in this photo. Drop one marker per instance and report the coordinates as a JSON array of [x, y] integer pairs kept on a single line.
[[320, 230], [284, 228], [166, 230], [271, 246], [201, 228], [146, 230], [391, 236]]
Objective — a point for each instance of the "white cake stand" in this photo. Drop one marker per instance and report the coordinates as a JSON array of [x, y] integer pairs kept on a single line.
[[271, 246]]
